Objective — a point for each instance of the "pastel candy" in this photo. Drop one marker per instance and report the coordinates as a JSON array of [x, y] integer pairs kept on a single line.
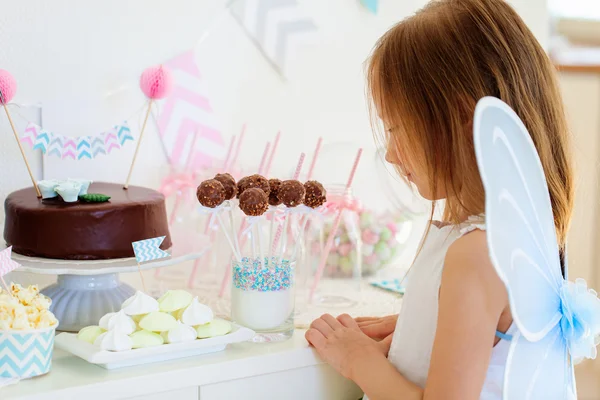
[[372, 259], [345, 264], [370, 237], [366, 219], [386, 234], [345, 249], [47, 188], [158, 322], [84, 183], [217, 327], [392, 227], [383, 251], [141, 339], [174, 300], [69, 191], [90, 333], [367, 250]]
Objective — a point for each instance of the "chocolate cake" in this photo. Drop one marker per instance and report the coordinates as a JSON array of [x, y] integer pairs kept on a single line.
[[85, 231]]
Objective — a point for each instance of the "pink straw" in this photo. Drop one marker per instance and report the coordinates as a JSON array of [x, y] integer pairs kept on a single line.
[[331, 237], [228, 156], [314, 159], [263, 160], [238, 147], [280, 228], [273, 151]]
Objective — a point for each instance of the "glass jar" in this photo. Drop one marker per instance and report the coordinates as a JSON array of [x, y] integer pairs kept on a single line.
[[263, 297]]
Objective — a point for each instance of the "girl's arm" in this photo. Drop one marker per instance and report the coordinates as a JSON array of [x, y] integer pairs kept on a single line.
[[472, 298]]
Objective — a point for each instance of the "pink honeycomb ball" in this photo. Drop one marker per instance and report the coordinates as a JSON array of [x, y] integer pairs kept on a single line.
[[156, 82], [8, 86]]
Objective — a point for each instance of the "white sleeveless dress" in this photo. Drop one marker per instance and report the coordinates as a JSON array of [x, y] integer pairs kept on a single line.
[[413, 338]]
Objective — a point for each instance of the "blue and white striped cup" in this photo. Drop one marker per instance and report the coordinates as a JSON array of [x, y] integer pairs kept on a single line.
[[24, 354]]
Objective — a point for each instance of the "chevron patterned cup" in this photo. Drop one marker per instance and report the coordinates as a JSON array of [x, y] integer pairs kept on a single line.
[[25, 354]]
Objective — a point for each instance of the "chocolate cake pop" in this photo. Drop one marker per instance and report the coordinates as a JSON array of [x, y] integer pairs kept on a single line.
[[254, 202], [253, 181], [228, 184], [316, 195], [211, 193], [274, 185], [291, 193]]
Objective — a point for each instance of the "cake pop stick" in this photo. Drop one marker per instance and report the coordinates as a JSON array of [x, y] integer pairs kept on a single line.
[[331, 237], [273, 151], [8, 88], [156, 83]]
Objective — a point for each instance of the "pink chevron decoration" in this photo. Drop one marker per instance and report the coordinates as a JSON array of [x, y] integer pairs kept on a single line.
[[187, 112], [30, 134], [6, 263], [111, 142], [68, 153]]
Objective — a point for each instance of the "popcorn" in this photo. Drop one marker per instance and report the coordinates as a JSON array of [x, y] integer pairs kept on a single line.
[[25, 309]]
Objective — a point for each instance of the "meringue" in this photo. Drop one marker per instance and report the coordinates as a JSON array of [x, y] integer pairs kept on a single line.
[[118, 321], [141, 339], [90, 333], [195, 314], [174, 300], [217, 327], [180, 333], [113, 341], [139, 303], [158, 322], [103, 323]]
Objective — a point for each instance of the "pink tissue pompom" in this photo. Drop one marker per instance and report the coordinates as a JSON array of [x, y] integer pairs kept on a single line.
[[156, 82], [8, 87]]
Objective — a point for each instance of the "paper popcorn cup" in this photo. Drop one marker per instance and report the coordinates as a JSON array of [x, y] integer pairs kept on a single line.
[[26, 353]]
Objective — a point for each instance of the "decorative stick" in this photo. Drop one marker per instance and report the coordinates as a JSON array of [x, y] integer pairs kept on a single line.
[[273, 151], [311, 169], [263, 160], [331, 237], [299, 236], [156, 83], [261, 250], [228, 156], [9, 88]]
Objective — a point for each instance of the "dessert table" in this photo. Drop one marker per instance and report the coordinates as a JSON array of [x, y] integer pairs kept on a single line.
[[285, 370]]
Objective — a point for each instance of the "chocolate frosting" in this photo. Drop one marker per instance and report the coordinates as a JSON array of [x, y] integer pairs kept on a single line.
[[316, 195], [228, 183], [274, 184], [291, 193], [85, 231], [254, 202], [211, 193], [253, 181]]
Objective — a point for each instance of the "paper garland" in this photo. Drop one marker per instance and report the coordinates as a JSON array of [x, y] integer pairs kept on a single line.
[[76, 148], [371, 5], [271, 24]]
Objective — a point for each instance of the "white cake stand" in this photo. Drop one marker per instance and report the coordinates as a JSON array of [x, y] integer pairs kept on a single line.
[[86, 290]]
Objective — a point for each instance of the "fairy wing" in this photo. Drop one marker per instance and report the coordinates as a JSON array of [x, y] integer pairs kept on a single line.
[[524, 250]]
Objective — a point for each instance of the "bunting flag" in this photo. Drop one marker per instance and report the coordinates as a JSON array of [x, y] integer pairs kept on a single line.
[[187, 112], [148, 250], [6, 263], [276, 27], [371, 5], [76, 148]]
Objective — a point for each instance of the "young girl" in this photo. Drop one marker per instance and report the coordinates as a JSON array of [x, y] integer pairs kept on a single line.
[[425, 77]]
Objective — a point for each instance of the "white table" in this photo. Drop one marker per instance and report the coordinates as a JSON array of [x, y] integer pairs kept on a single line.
[[287, 370]]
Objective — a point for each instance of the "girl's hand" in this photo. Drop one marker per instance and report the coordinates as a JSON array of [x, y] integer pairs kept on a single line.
[[341, 343], [377, 328]]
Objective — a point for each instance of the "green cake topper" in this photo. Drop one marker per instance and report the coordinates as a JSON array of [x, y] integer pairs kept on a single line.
[[94, 198]]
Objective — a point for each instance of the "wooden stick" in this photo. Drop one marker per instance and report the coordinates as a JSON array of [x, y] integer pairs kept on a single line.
[[12, 125], [137, 148], [6, 286], [142, 276]]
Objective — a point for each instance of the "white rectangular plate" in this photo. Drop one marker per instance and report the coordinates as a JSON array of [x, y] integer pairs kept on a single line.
[[119, 359]]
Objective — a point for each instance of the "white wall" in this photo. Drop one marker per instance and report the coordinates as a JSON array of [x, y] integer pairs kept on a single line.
[[69, 56]]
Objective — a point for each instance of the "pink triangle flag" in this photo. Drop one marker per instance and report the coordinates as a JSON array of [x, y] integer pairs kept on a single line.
[[6, 263]]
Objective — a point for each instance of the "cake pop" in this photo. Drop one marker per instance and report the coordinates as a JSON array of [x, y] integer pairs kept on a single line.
[[228, 183], [254, 202], [316, 195], [291, 193], [253, 181], [211, 193], [274, 184]]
